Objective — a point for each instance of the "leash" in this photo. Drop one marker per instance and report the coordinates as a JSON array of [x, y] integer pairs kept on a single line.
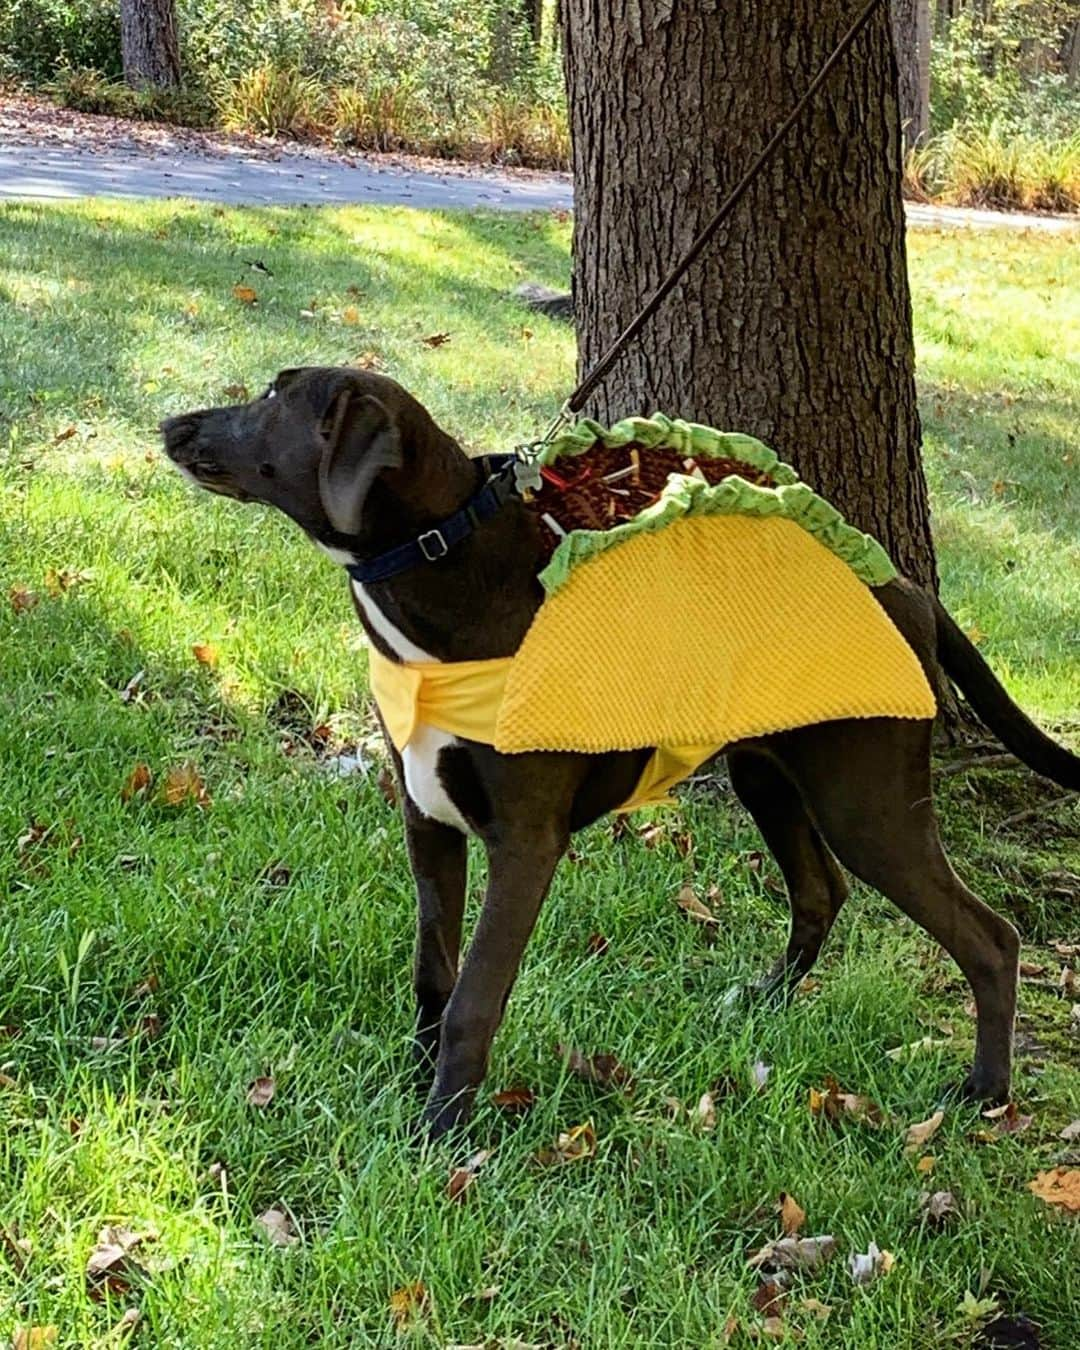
[[514, 475]]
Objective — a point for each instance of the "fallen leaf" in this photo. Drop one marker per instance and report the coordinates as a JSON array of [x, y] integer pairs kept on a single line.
[[603, 1070], [461, 1178], [597, 944], [100, 1043], [1059, 1187], [1030, 971], [865, 1267], [1070, 1132], [261, 1092], [277, 1227], [59, 582], [571, 1146], [64, 435], [245, 295], [705, 1112], [792, 1214], [814, 1305], [126, 1324], [832, 1103], [1007, 1119], [366, 361], [408, 1303], [206, 654], [34, 1338], [111, 1267], [769, 1298], [350, 315], [184, 784], [138, 780], [131, 689], [237, 392], [387, 786], [922, 1132], [6, 1081], [1069, 984], [795, 1253], [938, 1205], [436, 339], [689, 903], [515, 1101], [22, 598], [925, 1165]]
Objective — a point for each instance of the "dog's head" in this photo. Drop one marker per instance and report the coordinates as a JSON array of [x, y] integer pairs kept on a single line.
[[314, 446]]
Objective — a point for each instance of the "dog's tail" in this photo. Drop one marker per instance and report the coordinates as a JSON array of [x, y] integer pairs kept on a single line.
[[984, 691]]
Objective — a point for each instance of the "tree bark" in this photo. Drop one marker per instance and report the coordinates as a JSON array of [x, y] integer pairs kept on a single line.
[[149, 44], [796, 324], [911, 34]]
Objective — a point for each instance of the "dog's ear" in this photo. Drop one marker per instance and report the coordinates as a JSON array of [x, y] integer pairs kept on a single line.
[[361, 440]]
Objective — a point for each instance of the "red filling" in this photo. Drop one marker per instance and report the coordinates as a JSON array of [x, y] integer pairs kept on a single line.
[[609, 485]]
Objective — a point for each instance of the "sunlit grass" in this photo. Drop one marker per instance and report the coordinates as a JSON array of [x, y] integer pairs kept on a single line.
[[113, 315]]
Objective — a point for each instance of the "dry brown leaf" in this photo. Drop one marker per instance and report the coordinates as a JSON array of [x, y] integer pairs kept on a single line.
[[22, 598], [436, 339], [245, 295], [1070, 1132], [597, 944], [705, 1112], [925, 1165], [1059, 1187], [792, 1214], [814, 1305], [206, 654], [367, 361], [59, 581], [34, 1338], [138, 780], [603, 1070], [866, 1266], [832, 1103], [515, 1101], [182, 784], [64, 435], [795, 1253], [147, 987], [1030, 971], [110, 1267], [277, 1227], [350, 315], [461, 1178], [261, 1092], [387, 785], [922, 1132], [696, 909], [1069, 984], [237, 392], [1007, 1119], [408, 1303], [939, 1205], [571, 1146]]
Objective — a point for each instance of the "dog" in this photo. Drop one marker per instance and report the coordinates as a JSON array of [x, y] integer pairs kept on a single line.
[[363, 469]]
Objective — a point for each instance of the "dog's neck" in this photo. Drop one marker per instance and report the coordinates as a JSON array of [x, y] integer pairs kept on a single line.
[[474, 604]]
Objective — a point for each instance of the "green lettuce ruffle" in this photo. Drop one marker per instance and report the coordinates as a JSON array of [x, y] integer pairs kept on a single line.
[[684, 495]]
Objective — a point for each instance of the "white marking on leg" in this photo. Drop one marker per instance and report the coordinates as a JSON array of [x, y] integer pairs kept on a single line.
[[420, 761]]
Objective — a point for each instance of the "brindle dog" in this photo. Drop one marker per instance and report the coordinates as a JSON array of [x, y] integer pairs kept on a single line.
[[358, 464]]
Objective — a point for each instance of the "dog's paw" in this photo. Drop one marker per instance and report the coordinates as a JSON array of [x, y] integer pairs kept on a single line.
[[979, 1087], [444, 1117]]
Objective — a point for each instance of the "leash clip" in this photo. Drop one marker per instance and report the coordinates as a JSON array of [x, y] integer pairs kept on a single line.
[[527, 457]]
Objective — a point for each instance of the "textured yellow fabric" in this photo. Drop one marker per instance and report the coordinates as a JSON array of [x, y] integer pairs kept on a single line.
[[464, 697], [709, 631]]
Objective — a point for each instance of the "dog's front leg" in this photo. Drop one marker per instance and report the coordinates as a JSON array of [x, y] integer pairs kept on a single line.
[[521, 862], [437, 854]]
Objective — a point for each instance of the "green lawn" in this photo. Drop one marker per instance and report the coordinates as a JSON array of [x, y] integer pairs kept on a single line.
[[274, 922]]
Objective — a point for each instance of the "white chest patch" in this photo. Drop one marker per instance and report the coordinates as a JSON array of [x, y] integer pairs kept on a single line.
[[420, 760], [402, 647]]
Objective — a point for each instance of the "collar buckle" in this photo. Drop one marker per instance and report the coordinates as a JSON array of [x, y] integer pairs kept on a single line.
[[433, 545]]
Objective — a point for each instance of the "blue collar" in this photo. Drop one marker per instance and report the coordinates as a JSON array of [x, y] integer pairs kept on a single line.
[[429, 547]]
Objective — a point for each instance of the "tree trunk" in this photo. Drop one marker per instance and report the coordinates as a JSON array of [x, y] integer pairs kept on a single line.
[[911, 34], [796, 324], [149, 44], [534, 18]]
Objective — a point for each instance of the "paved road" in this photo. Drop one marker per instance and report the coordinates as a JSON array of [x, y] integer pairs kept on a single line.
[[61, 173]]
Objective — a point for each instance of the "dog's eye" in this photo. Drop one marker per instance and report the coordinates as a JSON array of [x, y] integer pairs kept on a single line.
[[267, 470]]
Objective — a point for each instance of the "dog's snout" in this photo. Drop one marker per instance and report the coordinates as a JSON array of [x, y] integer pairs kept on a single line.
[[179, 431]]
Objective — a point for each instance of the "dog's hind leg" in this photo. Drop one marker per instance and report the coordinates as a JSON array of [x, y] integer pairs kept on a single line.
[[816, 886], [867, 784], [438, 857]]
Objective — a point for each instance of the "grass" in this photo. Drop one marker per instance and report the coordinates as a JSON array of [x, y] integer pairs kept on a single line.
[[112, 315]]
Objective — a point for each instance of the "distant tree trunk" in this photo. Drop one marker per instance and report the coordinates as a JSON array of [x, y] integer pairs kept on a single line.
[[796, 324], [534, 18], [149, 44], [911, 34]]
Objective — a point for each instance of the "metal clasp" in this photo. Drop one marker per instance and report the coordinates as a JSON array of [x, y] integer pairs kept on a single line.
[[440, 544]]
